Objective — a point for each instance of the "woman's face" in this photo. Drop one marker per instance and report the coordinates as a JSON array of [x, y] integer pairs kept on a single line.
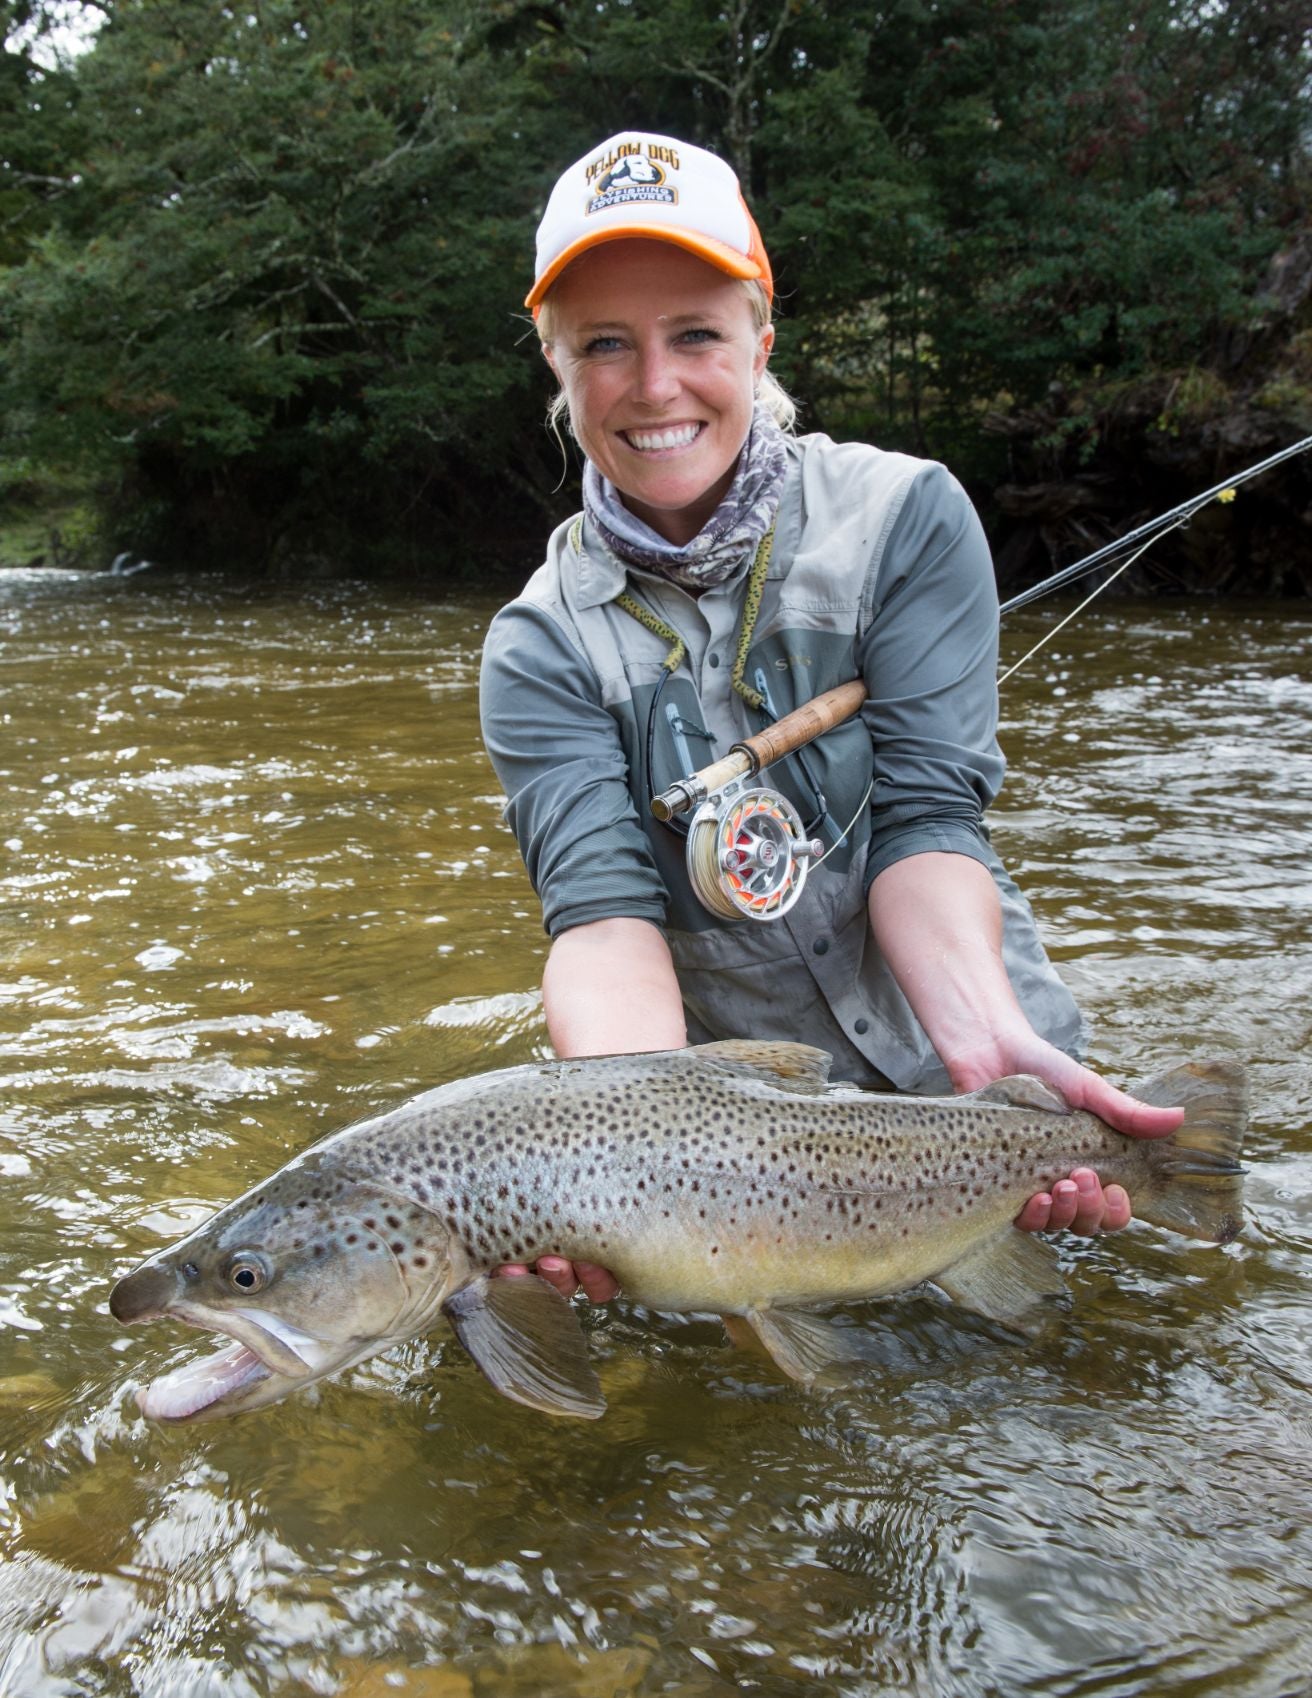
[[658, 354]]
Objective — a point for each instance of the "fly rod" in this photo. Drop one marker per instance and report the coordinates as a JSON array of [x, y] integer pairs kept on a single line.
[[823, 712], [1177, 515]]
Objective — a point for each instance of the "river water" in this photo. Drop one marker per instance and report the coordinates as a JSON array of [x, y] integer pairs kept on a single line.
[[255, 884]]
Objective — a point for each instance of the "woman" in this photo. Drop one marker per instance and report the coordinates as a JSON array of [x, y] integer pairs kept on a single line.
[[722, 572]]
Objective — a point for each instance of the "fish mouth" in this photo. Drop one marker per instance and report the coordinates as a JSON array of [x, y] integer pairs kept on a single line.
[[199, 1388], [266, 1359]]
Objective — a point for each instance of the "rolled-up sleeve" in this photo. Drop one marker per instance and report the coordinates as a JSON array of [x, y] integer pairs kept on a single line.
[[929, 660], [557, 752]]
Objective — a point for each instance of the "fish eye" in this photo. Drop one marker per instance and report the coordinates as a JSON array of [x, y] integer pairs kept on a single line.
[[247, 1273]]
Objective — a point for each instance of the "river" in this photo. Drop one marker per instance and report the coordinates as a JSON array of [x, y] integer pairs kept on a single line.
[[255, 884]]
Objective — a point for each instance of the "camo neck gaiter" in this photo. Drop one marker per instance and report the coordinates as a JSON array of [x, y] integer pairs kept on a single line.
[[728, 538]]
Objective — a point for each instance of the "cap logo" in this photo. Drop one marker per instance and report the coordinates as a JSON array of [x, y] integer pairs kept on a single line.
[[627, 175]]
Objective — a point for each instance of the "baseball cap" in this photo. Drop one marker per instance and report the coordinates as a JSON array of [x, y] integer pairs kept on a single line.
[[639, 184]]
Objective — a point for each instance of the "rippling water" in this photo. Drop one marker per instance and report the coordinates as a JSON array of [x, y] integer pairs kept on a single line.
[[254, 884]]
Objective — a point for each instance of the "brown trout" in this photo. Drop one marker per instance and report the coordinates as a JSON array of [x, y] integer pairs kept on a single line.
[[730, 1177]]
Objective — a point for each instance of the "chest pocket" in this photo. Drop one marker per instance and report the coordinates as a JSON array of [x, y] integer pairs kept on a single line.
[[827, 781]]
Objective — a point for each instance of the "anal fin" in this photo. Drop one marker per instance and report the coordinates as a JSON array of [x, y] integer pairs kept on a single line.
[[526, 1339], [800, 1345], [1004, 1278]]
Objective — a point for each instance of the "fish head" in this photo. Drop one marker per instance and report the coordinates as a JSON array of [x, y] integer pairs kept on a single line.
[[306, 1275]]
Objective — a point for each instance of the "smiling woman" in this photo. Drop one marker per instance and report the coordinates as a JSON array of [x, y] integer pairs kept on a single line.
[[659, 358], [726, 571]]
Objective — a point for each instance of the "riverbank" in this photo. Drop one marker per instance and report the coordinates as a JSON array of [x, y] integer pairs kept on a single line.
[[1082, 473], [50, 520]]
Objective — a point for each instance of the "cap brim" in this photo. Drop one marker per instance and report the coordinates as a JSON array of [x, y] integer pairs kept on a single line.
[[719, 254]]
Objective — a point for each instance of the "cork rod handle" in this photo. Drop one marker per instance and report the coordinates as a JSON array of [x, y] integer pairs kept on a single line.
[[805, 724], [802, 725]]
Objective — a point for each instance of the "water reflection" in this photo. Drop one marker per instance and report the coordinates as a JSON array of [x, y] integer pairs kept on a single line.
[[255, 884]]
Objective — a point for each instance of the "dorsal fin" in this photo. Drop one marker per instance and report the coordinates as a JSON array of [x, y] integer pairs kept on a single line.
[[1023, 1090], [789, 1067]]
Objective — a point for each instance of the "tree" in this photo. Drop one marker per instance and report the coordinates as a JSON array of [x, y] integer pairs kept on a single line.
[[268, 267], [281, 299]]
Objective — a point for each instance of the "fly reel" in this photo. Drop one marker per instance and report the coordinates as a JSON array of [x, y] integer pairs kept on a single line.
[[748, 853]]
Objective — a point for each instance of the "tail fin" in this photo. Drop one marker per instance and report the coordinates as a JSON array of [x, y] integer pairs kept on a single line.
[[1195, 1182]]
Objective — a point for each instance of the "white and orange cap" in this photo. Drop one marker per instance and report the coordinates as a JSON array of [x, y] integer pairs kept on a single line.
[[643, 185]]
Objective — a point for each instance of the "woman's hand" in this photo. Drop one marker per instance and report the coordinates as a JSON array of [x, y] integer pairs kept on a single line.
[[597, 1284], [598, 977], [936, 918], [1080, 1203]]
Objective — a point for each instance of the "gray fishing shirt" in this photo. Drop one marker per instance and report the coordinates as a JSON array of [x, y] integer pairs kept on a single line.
[[879, 569]]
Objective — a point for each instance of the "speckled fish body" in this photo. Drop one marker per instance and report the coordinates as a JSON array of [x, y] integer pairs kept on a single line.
[[728, 1177]]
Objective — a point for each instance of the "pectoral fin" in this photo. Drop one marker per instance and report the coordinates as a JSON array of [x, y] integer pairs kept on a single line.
[[527, 1340], [1004, 1277], [802, 1346]]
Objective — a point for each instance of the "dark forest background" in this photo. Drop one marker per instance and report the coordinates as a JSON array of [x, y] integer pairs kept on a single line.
[[261, 265]]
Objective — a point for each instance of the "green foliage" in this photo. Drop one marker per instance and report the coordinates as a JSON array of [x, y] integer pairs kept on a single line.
[[263, 266]]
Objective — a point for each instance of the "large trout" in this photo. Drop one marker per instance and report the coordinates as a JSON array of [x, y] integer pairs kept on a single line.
[[730, 1177]]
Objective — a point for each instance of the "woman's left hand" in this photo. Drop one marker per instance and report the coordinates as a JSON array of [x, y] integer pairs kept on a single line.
[[1080, 1203], [936, 919]]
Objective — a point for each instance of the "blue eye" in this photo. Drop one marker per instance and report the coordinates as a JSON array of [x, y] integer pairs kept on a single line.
[[601, 345], [705, 334]]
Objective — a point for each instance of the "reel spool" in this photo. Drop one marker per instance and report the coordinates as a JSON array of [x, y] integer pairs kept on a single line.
[[748, 853]]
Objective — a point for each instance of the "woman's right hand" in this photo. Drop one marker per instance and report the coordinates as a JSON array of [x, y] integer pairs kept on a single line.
[[598, 1284], [597, 976]]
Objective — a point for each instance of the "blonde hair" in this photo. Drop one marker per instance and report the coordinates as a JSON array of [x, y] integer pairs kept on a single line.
[[769, 391]]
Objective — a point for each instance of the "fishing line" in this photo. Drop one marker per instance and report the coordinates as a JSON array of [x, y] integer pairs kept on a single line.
[[1169, 520], [1156, 528], [1075, 612], [747, 852]]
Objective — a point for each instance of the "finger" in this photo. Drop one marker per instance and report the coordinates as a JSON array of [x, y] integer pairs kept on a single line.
[[509, 1270], [1065, 1204], [1034, 1216], [559, 1272], [1119, 1109], [599, 1284], [1090, 1204], [1118, 1211]]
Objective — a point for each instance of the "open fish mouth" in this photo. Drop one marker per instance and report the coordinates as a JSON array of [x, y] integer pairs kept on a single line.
[[198, 1386], [261, 1350]]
